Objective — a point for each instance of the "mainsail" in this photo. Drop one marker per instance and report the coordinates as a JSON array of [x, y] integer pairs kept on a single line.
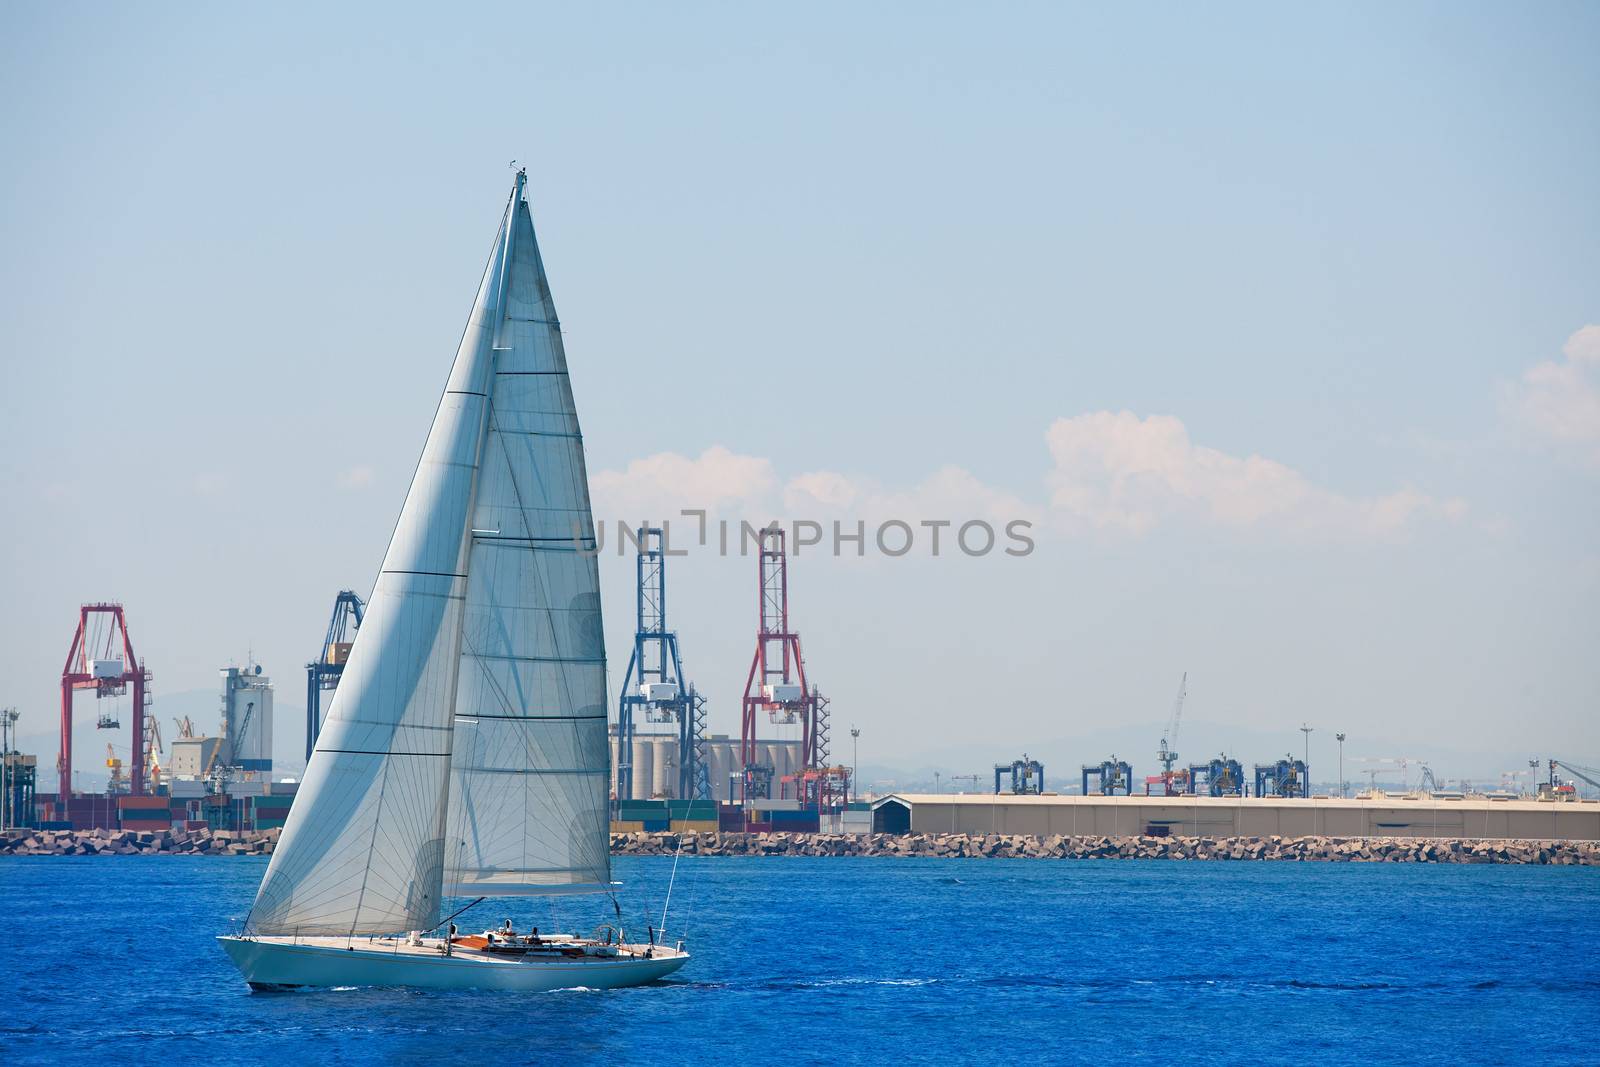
[[468, 729]]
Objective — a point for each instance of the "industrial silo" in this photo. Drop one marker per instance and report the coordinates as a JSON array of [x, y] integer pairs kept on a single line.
[[664, 764], [719, 761], [643, 767]]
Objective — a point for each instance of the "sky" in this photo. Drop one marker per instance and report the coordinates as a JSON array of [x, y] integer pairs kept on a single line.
[[1277, 326]]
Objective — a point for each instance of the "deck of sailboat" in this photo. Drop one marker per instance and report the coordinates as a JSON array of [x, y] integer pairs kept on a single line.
[[554, 948], [286, 962]]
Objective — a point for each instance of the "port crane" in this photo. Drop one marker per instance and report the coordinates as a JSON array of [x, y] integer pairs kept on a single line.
[[101, 659], [116, 783], [213, 774], [323, 674], [777, 685], [654, 684], [1577, 772], [1169, 754]]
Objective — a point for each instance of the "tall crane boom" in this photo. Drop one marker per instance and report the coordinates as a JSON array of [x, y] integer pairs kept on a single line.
[[1580, 772], [1169, 752]]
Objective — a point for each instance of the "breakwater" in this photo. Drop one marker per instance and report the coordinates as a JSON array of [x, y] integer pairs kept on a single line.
[[951, 846], [1060, 846]]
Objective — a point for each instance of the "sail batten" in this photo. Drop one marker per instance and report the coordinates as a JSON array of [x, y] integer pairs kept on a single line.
[[465, 750]]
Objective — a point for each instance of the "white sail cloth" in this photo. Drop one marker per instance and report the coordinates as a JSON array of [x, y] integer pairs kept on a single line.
[[468, 729], [528, 794]]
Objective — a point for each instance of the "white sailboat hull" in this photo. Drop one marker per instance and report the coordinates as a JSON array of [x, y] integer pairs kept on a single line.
[[281, 963]]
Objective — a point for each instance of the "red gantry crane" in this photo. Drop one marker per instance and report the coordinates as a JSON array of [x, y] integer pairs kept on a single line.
[[95, 662], [777, 683]]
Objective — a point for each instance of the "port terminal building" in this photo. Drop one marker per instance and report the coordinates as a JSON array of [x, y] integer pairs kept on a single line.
[[1043, 815]]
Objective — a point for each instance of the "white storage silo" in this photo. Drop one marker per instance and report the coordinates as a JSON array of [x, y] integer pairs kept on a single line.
[[643, 768], [719, 761], [664, 763]]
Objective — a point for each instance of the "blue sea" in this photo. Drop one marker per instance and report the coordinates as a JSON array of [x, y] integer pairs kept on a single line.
[[844, 961]]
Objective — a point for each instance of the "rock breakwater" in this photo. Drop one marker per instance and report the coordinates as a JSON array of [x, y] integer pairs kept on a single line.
[[950, 846], [1008, 846]]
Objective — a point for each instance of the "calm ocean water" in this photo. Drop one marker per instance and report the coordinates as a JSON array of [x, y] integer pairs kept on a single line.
[[842, 961]]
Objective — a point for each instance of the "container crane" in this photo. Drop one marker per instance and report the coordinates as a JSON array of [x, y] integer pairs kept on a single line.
[[1583, 773], [654, 682], [323, 674], [1169, 754], [777, 679], [116, 783], [93, 663]]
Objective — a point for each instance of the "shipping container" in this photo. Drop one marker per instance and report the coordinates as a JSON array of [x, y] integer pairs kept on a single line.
[[676, 806], [626, 826], [656, 826], [147, 824], [695, 826]]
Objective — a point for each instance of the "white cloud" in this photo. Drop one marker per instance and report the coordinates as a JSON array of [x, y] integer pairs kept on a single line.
[[660, 486], [1560, 399], [1115, 471], [950, 493]]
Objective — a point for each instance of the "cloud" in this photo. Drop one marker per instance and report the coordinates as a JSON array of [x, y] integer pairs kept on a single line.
[[660, 486], [358, 477], [1113, 472], [1559, 400], [950, 493], [1118, 472]]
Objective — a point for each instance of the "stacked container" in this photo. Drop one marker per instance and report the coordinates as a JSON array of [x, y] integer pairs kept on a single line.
[[144, 813]]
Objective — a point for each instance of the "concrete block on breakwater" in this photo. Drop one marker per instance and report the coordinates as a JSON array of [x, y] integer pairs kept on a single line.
[[1022, 846], [949, 846], [137, 842]]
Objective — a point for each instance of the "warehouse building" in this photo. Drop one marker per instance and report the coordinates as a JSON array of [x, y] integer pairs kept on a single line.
[[1199, 816]]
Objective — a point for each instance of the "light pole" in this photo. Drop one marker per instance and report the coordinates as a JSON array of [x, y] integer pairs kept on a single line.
[[855, 757], [935, 781], [1305, 786], [8, 729], [1340, 739]]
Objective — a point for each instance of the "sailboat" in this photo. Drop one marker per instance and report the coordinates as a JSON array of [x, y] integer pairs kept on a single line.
[[464, 753]]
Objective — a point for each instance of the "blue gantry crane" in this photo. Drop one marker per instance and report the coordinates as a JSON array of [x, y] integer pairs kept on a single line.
[[1113, 776], [654, 683], [1285, 778], [1221, 777], [1027, 775], [323, 674]]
